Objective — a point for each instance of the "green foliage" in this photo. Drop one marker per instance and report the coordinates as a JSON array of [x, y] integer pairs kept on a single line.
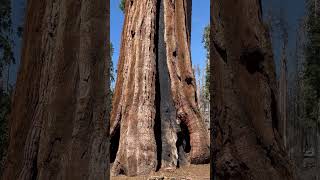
[[311, 78], [6, 54], [111, 71], [312, 52], [206, 39], [111, 63], [122, 6], [6, 58], [206, 42]]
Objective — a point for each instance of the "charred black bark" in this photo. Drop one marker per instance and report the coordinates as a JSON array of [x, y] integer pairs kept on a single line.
[[167, 109], [157, 125]]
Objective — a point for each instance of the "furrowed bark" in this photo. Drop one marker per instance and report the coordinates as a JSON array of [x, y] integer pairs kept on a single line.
[[133, 105], [58, 125], [156, 86], [246, 143], [169, 125], [177, 38]]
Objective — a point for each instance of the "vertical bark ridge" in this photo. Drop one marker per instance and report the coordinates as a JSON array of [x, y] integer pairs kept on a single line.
[[116, 113], [127, 68], [17, 138], [283, 96], [183, 80], [92, 96], [169, 126], [155, 92], [157, 126], [60, 97], [56, 138], [135, 156]]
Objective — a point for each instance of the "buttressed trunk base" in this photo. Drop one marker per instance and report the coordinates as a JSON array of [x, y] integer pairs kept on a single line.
[[155, 106]]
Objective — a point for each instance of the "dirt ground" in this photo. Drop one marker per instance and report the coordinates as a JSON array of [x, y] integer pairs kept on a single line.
[[192, 172]]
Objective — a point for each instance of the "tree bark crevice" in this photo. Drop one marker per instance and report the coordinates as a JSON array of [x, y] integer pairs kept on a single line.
[[59, 111], [162, 37]]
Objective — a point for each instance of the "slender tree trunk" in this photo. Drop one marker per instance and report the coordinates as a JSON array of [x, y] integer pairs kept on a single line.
[[317, 8], [155, 117], [8, 77], [245, 139], [317, 143], [1, 84], [58, 124], [283, 98]]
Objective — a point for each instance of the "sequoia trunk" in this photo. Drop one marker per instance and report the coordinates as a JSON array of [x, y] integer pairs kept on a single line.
[[155, 117], [58, 126], [245, 139], [283, 99]]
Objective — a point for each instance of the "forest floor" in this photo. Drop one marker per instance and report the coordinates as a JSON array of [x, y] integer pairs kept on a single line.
[[192, 172]]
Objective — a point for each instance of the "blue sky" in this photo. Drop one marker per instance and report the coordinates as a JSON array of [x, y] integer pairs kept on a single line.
[[200, 18], [116, 23], [294, 9], [17, 19]]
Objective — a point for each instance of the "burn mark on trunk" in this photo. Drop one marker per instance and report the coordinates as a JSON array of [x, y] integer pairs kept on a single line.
[[167, 109], [184, 138], [174, 54], [222, 52], [189, 80], [34, 169], [132, 34], [115, 139], [260, 15], [183, 145], [252, 59], [274, 111], [157, 125]]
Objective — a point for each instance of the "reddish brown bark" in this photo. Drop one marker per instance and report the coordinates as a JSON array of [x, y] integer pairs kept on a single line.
[[133, 103], [177, 38], [155, 107], [245, 139], [58, 124]]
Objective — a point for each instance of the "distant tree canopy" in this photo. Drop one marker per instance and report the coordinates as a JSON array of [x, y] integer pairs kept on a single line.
[[6, 58], [206, 42], [122, 5], [312, 51], [112, 78], [312, 63], [6, 54]]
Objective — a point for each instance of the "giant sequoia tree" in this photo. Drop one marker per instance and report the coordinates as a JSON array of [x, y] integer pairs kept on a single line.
[[155, 121], [58, 128], [245, 137]]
